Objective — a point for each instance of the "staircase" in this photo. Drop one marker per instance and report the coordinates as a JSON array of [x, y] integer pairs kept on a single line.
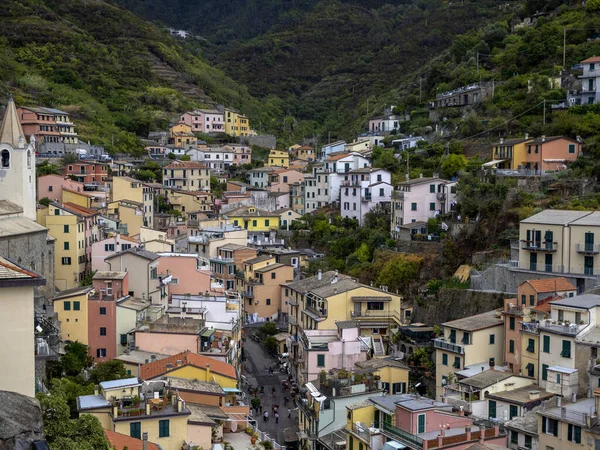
[[378, 347]]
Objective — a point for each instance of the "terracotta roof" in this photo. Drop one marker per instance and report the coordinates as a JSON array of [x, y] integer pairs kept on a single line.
[[9, 270], [81, 209], [337, 156], [551, 285], [545, 306], [158, 368], [130, 239], [593, 59], [120, 441], [185, 165]]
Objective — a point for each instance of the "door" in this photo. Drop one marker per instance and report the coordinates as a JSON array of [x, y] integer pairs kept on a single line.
[[588, 265], [357, 309], [421, 423], [492, 409], [589, 242], [533, 261], [548, 263]]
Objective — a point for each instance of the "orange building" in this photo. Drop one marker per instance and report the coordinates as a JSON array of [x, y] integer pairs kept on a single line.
[[551, 153], [88, 172], [47, 125]]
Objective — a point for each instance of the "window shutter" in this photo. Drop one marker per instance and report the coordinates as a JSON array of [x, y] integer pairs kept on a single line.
[[578, 435], [543, 424], [570, 433], [555, 427]]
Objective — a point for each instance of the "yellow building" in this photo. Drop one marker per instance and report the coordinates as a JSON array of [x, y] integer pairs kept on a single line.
[[260, 287], [191, 366], [278, 158], [510, 153], [118, 407], [393, 374], [17, 372], [127, 188], [187, 202], [475, 340], [71, 306], [69, 231], [253, 219], [84, 199], [181, 136], [358, 438], [243, 125], [129, 214], [187, 176], [237, 124]]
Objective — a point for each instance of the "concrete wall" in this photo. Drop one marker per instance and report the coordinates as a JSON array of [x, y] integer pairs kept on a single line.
[[262, 140]]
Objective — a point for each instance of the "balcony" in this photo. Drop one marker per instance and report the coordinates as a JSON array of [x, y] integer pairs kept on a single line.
[[349, 183], [443, 344], [564, 328], [376, 315], [315, 313], [292, 301], [366, 197], [441, 196], [397, 195], [363, 432], [411, 440], [247, 294], [530, 327], [587, 249], [543, 246]]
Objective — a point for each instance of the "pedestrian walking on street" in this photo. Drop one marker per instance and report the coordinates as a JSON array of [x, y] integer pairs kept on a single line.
[[260, 407], [289, 413], [273, 390], [266, 416], [276, 417]]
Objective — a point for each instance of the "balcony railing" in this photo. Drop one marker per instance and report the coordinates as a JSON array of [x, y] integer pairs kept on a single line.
[[376, 314], [248, 294], [589, 271], [292, 320], [542, 246], [561, 328], [362, 431], [443, 344], [366, 197], [587, 249], [349, 183], [441, 196], [530, 327], [398, 195], [403, 436]]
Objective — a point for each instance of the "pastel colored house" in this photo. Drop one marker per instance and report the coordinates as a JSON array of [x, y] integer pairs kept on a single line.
[[108, 247], [129, 216], [228, 261], [475, 341], [145, 283], [51, 186], [17, 290], [47, 124], [509, 153], [278, 158], [181, 136], [287, 216], [204, 120], [162, 415], [260, 177], [71, 306], [281, 179], [305, 153], [109, 288], [551, 154], [130, 189], [186, 277], [363, 190], [88, 172], [333, 147], [254, 219], [187, 175]]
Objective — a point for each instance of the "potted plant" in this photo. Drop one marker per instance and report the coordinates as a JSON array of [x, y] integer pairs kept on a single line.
[[267, 445], [254, 438], [135, 400], [249, 431]]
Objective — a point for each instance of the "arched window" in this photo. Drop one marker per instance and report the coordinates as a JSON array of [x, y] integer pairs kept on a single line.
[[5, 156], [29, 159]]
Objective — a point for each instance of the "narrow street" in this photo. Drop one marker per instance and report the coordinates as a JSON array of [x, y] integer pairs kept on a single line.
[[257, 374]]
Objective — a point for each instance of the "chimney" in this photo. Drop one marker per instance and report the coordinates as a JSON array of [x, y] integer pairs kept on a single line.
[[468, 432], [573, 397], [169, 366], [208, 372], [319, 275], [147, 408], [179, 405], [492, 363], [153, 357], [147, 361], [534, 395], [558, 401], [179, 363], [145, 441], [95, 389], [461, 411]]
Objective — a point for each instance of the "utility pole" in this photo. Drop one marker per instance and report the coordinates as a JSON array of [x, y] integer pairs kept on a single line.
[[564, 48], [477, 62], [420, 88], [544, 120]]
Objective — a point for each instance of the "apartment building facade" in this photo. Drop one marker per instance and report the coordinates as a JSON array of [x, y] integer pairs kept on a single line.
[[47, 125], [187, 175], [363, 190]]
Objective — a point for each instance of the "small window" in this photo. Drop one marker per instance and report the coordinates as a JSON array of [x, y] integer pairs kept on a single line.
[[320, 360], [102, 311], [546, 344], [67, 306], [512, 323], [66, 245], [511, 346], [65, 228], [432, 207], [572, 148], [273, 275], [102, 331], [492, 339], [413, 206], [5, 159], [445, 359], [76, 306]]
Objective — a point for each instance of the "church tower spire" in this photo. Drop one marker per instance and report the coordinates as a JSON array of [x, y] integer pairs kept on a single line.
[[11, 132]]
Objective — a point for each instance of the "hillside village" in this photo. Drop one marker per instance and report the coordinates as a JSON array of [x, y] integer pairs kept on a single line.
[[228, 289]]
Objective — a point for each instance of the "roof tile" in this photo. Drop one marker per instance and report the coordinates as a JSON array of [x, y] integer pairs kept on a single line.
[[159, 367]]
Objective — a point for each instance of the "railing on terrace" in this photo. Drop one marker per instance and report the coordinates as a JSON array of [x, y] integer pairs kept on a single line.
[[443, 344], [530, 327], [262, 436], [362, 431], [397, 433], [589, 249], [567, 414], [523, 173], [375, 314], [544, 246], [556, 268], [571, 329]]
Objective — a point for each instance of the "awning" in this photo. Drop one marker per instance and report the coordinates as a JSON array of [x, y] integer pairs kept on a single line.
[[372, 299], [493, 163], [229, 389], [555, 160]]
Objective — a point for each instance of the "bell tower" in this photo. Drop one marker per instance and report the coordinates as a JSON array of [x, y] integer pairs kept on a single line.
[[17, 163]]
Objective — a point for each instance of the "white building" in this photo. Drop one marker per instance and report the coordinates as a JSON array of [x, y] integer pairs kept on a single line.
[[204, 120], [365, 188], [338, 166], [316, 189], [17, 163], [216, 158], [407, 142], [219, 312], [421, 199], [261, 176]]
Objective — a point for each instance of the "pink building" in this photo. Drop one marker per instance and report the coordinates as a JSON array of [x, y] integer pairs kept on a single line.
[[186, 277], [204, 120], [551, 153], [281, 179], [242, 154], [433, 424], [108, 247], [341, 348], [102, 313], [168, 343], [51, 186]]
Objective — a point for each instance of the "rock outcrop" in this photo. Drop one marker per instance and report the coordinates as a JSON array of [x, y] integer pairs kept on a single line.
[[20, 421]]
